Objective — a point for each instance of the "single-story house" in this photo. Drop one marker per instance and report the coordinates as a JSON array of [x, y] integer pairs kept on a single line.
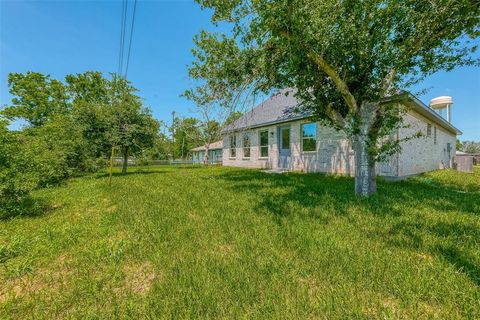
[[277, 135], [215, 152]]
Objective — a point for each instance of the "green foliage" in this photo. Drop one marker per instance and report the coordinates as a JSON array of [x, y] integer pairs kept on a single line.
[[187, 136], [342, 57], [215, 242], [233, 117], [130, 125], [471, 147], [458, 145], [36, 98], [71, 130]]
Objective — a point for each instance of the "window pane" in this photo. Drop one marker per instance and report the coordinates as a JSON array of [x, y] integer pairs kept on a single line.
[[309, 144], [246, 145], [285, 138], [264, 151], [246, 140], [309, 130], [264, 138], [233, 145]]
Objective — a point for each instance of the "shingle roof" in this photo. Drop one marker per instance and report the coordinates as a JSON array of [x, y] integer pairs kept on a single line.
[[213, 146], [280, 107]]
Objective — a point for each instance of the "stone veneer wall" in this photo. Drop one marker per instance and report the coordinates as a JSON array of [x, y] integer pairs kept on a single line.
[[423, 154], [335, 155]]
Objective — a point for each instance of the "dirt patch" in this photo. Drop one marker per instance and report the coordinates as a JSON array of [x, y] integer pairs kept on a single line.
[[111, 209], [312, 286], [53, 278], [424, 256], [139, 278]]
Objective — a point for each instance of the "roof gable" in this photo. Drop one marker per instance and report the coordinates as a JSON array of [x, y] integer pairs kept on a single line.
[[280, 107], [284, 107]]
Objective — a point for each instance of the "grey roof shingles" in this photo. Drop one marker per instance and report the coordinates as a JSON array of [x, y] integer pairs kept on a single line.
[[213, 146], [280, 107]]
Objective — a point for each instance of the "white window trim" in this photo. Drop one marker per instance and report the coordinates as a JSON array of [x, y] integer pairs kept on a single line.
[[230, 147], [302, 138], [260, 146], [249, 147]]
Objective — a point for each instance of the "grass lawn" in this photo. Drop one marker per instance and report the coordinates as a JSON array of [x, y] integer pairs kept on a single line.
[[197, 242]]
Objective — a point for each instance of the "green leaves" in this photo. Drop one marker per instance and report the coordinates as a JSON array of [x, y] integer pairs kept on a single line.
[[70, 127], [37, 98]]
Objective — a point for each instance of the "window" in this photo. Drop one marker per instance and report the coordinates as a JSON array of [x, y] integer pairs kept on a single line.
[[246, 145], [309, 137], [434, 135], [233, 146], [429, 130], [263, 138], [286, 138]]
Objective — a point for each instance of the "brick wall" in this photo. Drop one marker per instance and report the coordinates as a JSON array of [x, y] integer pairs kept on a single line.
[[424, 154], [334, 153]]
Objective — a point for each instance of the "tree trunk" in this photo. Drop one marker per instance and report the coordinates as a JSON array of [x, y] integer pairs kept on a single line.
[[365, 177], [125, 160]]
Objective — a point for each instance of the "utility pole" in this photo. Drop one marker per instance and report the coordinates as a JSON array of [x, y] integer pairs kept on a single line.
[[173, 135]]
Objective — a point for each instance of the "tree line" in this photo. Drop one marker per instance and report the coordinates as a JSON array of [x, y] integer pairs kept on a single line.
[[71, 127]]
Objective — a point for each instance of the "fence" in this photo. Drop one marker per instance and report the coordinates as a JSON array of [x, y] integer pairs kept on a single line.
[[117, 162]]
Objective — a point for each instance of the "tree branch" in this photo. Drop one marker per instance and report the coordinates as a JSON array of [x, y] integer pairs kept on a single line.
[[335, 116], [333, 74], [339, 83]]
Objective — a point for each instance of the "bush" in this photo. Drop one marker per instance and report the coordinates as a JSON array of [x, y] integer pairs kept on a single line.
[[38, 157]]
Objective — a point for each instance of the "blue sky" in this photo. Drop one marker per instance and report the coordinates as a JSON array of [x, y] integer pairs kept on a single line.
[[63, 37]]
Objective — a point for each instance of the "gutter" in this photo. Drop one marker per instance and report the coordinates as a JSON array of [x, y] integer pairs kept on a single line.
[[424, 110], [405, 96], [265, 124]]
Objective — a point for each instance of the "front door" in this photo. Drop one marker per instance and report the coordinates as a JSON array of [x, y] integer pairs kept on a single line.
[[284, 149]]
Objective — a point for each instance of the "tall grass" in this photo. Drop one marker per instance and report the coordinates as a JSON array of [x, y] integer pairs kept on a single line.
[[213, 242]]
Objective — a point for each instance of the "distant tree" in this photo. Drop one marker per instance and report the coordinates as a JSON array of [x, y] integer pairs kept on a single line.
[[212, 116], [459, 145], [345, 59], [187, 136], [471, 147], [36, 98], [232, 118], [131, 126], [161, 148]]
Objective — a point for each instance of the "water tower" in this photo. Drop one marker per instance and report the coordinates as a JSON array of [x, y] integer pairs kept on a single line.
[[441, 104]]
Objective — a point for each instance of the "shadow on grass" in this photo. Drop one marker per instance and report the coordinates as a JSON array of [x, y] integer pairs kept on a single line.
[[145, 170], [312, 190], [129, 173], [461, 261], [397, 209], [24, 207]]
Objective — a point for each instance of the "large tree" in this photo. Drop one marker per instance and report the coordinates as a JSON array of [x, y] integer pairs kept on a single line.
[[343, 57], [131, 126]]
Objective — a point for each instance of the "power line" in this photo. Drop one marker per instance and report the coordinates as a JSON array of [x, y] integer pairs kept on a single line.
[[131, 35], [122, 35], [122, 28]]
